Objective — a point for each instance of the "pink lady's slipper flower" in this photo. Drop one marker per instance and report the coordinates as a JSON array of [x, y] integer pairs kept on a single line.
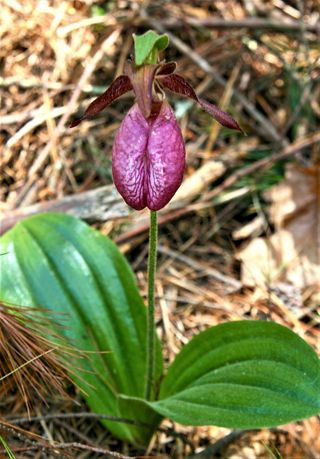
[[148, 157]]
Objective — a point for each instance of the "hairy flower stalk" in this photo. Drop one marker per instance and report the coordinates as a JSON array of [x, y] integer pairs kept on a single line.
[[148, 156]]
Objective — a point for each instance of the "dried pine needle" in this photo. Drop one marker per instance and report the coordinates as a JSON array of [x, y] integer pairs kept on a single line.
[[28, 360]]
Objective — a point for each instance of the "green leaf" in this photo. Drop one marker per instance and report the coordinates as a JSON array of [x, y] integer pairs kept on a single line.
[[243, 374], [298, 83], [61, 264], [147, 45], [132, 407]]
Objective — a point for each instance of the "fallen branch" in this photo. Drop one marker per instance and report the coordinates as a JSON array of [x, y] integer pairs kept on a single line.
[[254, 23], [264, 163], [104, 203], [80, 415], [65, 446], [97, 205]]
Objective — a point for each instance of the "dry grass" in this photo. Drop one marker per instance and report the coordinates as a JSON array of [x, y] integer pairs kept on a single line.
[[55, 56]]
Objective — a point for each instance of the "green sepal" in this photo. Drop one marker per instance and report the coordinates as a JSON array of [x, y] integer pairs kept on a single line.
[[146, 47]]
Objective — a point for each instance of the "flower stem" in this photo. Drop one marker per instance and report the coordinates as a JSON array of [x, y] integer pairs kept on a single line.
[[152, 263]]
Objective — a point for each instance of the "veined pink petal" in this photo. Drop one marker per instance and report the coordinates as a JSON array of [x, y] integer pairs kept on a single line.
[[148, 158]]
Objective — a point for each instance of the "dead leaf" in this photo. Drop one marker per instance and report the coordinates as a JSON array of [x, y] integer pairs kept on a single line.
[[292, 253], [256, 226]]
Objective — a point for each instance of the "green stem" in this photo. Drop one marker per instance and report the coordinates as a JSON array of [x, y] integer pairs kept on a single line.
[[152, 263]]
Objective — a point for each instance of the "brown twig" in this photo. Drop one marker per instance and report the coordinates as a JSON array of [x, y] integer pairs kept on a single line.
[[81, 415], [254, 23], [39, 443], [73, 445], [264, 163], [89, 415], [28, 438]]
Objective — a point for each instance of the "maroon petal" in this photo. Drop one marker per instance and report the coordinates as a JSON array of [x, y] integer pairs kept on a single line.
[[167, 68], [176, 83], [148, 158], [118, 87], [222, 117]]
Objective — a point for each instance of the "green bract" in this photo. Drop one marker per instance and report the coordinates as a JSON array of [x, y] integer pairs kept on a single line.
[[147, 45]]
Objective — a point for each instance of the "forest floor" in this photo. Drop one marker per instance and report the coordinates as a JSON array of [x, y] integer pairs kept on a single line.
[[241, 238]]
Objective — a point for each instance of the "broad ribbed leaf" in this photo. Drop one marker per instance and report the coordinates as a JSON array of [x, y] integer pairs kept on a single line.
[[242, 375], [59, 263]]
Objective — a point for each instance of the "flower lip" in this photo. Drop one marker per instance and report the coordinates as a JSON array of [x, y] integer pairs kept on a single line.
[[148, 157]]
